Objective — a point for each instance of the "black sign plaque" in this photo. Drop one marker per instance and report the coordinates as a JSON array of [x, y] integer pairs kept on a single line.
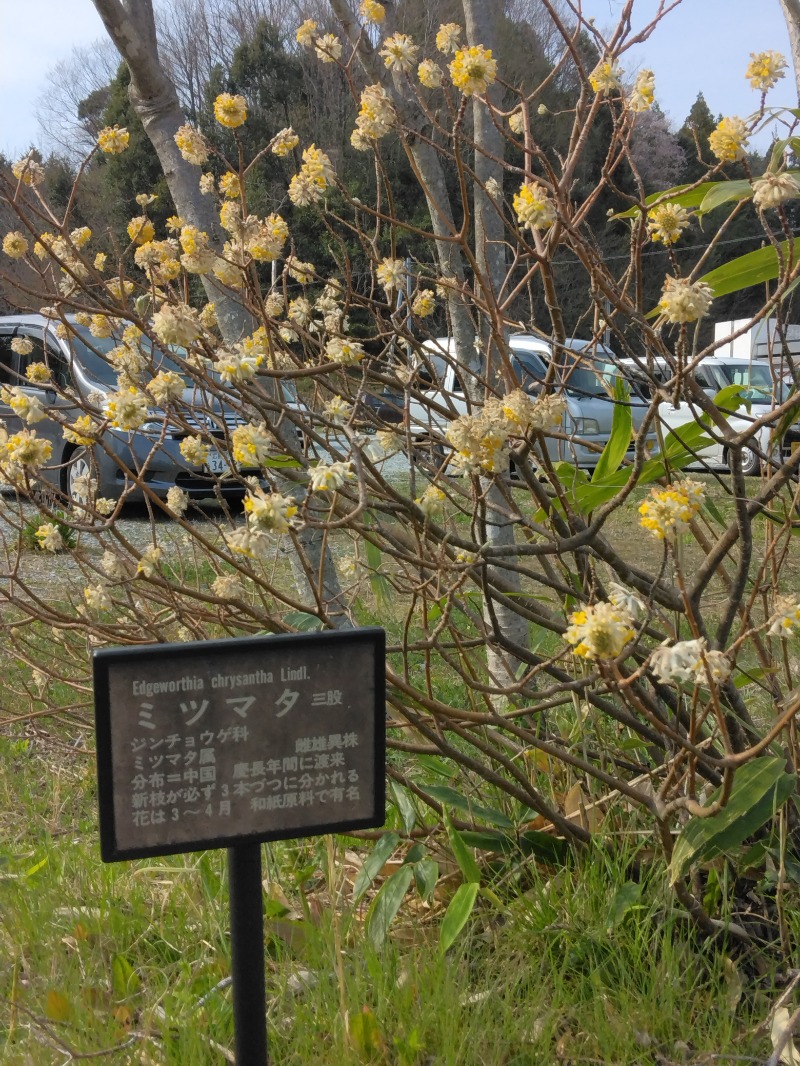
[[226, 742]]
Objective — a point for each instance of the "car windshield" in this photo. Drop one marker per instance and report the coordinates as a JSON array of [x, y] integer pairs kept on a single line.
[[89, 351], [757, 381], [529, 368], [584, 381]]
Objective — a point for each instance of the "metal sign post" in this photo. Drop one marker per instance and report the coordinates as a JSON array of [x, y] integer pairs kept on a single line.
[[230, 743]]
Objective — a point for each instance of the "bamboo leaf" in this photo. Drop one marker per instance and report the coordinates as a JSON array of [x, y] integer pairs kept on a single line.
[[446, 794], [386, 904], [374, 863], [723, 192], [457, 914], [426, 874], [621, 428], [754, 268], [463, 856], [760, 788], [404, 805]]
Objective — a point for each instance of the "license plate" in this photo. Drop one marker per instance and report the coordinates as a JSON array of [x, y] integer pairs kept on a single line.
[[215, 463]]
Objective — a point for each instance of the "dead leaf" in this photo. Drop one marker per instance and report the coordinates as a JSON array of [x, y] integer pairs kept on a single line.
[[790, 1056]]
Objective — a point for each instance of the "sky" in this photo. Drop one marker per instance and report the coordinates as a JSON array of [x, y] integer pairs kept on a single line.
[[704, 45]]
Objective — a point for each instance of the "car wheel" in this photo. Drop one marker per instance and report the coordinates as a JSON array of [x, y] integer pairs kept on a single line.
[[77, 466], [751, 462]]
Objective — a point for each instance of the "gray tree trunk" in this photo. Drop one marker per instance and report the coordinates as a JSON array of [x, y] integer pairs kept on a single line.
[[131, 26], [791, 12]]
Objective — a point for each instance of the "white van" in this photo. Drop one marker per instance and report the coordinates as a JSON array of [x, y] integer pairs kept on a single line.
[[761, 393], [586, 384]]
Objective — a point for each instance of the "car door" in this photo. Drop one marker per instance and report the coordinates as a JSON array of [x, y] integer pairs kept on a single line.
[[13, 373]]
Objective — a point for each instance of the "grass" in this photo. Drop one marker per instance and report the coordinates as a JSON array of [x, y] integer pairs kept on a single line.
[[589, 962]]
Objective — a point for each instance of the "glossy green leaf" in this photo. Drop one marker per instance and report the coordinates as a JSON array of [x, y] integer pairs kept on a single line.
[[281, 461], [731, 398], [463, 856], [457, 914], [682, 195], [723, 192], [386, 904], [754, 268], [452, 798], [618, 443], [407, 810], [426, 874], [760, 788], [374, 863]]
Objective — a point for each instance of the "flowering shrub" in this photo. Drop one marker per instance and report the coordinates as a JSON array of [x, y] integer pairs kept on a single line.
[[524, 625]]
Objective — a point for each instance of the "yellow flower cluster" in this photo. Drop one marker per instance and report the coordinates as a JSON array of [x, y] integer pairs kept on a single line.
[[669, 511], [141, 229], [684, 301], [49, 537], [330, 477], [80, 432], [315, 176], [194, 450], [23, 451], [643, 93], [252, 444], [372, 11], [15, 245], [533, 207], [728, 141], [192, 145], [431, 501], [424, 303], [447, 37], [765, 69], [473, 70], [25, 406], [481, 441], [399, 53], [28, 170], [599, 631], [667, 222], [430, 74], [328, 48], [786, 619], [606, 76], [230, 186], [306, 33], [269, 513], [391, 274], [237, 366], [157, 260], [375, 117], [127, 409], [166, 387], [176, 324], [689, 660], [283, 142], [342, 350], [113, 140], [230, 111]]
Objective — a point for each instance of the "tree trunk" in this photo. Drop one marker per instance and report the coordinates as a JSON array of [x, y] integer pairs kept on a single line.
[[131, 26], [791, 12]]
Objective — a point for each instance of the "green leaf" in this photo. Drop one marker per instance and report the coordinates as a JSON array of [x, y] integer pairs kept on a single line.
[[714, 512], [386, 904], [731, 398], [281, 461], [626, 898], [457, 914], [723, 192], [446, 794], [426, 874], [752, 676], [682, 195], [374, 863], [760, 788], [365, 1035], [302, 621], [407, 810], [124, 979], [621, 428], [751, 269], [489, 840], [463, 856], [58, 1007]]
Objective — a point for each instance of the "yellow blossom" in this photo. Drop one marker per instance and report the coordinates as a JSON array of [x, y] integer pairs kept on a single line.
[[127, 409], [606, 76], [685, 301], [37, 373], [252, 444], [473, 70], [391, 274], [269, 512], [430, 74], [23, 346], [328, 48], [28, 170], [49, 537], [643, 92], [80, 432], [533, 207], [765, 69], [15, 245], [192, 145], [113, 140], [447, 37], [424, 303], [141, 229], [670, 510], [728, 141], [342, 350], [176, 324], [372, 11], [599, 631], [667, 222], [399, 53], [100, 262], [786, 619], [430, 502], [230, 111], [330, 477], [283, 142], [306, 33], [230, 186], [194, 450], [772, 190]]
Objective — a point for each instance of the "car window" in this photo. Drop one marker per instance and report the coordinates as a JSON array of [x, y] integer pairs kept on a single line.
[[529, 368], [703, 378], [14, 364], [757, 382], [89, 352], [7, 357]]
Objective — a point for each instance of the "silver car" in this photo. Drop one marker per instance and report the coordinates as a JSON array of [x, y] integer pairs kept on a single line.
[[120, 459]]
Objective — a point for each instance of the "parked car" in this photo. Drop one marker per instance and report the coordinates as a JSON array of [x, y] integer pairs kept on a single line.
[[761, 393], [585, 378], [152, 452]]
